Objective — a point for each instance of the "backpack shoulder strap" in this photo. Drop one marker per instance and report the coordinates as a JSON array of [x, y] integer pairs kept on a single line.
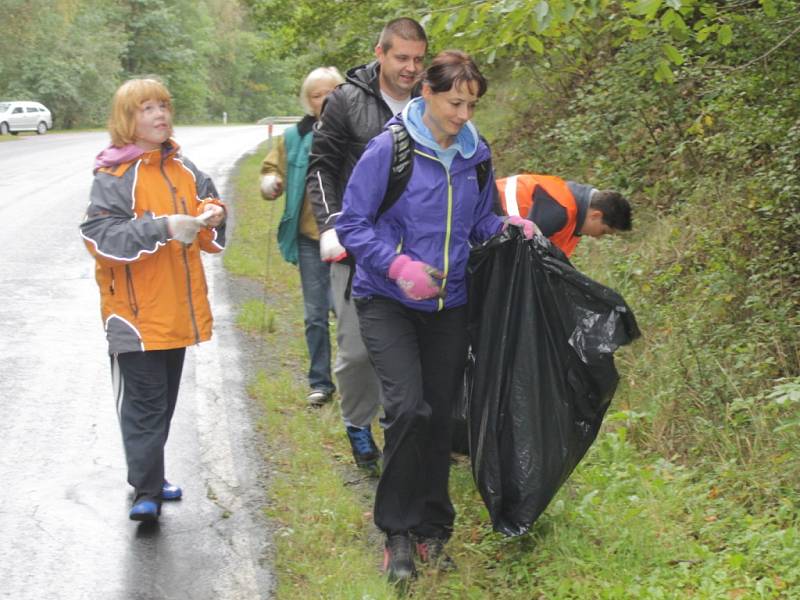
[[482, 170], [402, 164]]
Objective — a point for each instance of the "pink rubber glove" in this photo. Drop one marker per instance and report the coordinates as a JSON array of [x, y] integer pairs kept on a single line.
[[416, 278], [529, 228]]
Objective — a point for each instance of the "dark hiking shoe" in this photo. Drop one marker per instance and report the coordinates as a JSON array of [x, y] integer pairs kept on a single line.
[[398, 558], [365, 452], [317, 398], [431, 552]]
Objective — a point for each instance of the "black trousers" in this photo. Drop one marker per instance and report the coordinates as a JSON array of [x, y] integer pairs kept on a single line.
[[146, 389], [419, 358]]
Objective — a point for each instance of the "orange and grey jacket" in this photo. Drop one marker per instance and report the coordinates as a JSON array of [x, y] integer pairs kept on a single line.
[[153, 290], [557, 207]]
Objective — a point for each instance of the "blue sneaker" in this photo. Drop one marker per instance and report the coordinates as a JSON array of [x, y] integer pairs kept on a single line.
[[170, 491], [145, 510], [365, 452]]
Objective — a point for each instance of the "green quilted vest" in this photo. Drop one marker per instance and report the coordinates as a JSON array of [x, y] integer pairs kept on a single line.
[[297, 150]]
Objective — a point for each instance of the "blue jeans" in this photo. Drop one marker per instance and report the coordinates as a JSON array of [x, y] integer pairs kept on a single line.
[[315, 280]]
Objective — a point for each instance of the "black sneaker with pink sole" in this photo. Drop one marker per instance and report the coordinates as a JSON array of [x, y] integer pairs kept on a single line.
[[398, 558]]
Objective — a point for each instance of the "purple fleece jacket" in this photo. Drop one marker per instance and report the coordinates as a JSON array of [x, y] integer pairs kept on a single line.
[[440, 213]]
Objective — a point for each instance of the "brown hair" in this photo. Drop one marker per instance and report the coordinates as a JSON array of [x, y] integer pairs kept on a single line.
[[452, 67], [127, 99], [404, 28], [615, 208]]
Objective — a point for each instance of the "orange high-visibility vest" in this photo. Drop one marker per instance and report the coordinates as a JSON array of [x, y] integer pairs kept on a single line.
[[519, 193]]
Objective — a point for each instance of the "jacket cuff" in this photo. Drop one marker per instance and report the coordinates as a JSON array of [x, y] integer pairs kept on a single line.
[[161, 223]]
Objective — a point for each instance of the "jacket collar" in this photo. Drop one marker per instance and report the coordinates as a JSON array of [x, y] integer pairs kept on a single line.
[[306, 125], [367, 77], [114, 156], [466, 142], [481, 152], [168, 148], [582, 204]]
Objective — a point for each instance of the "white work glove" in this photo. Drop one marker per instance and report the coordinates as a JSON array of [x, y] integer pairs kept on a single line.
[[271, 187], [330, 250], [213, 215], [184, 228]]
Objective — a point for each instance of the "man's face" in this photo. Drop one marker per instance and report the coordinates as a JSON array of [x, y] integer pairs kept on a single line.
[[401, 66], [593, 225]]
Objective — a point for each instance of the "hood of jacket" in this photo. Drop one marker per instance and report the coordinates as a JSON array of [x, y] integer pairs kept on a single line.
[[465, 143], [118, 155], [366, 77]]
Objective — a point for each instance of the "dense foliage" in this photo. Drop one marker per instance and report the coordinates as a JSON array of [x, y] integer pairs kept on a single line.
[[710, 155], [72, 54]]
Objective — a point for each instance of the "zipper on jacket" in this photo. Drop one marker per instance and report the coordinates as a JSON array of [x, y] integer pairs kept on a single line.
[[131, 292], [189, 282], [448, 230], [184, 252]]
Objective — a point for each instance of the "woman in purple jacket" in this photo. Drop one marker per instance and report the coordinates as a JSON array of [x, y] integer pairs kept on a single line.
[[410, 294]]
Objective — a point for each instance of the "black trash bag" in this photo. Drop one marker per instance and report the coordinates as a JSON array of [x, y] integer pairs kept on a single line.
[[460, 438], [543, 337]]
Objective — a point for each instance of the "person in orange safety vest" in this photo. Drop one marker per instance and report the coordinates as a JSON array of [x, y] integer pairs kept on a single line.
[[563, 210]]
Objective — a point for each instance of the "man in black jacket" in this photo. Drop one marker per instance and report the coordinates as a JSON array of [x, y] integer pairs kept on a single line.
[[354, 113]]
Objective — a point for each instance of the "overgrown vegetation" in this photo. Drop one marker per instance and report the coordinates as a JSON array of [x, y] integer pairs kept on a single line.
[[692, 109], [632, 522], [712, 270]]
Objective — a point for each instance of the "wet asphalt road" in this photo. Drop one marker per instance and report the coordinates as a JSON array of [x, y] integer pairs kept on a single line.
[[64, 529]]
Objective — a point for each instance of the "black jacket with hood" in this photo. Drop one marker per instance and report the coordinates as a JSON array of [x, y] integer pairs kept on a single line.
[[352, 115]]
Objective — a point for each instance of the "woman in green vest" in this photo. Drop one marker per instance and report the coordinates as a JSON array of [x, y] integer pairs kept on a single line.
[[298, 237]]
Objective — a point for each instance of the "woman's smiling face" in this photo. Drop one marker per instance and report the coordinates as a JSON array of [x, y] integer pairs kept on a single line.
[[447, 112]]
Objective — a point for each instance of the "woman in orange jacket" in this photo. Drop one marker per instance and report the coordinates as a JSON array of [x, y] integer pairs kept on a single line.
[[151, 212]]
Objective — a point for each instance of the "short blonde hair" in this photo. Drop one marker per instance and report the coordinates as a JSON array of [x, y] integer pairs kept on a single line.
[[330, 74], [127, 99]]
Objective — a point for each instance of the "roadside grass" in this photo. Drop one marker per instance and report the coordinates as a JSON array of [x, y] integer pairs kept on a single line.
[[626, 525]]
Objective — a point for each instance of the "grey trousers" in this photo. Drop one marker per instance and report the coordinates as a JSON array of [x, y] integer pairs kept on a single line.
[[358, 384]]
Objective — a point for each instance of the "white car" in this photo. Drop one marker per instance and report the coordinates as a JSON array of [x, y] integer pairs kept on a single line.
[[24, 116]]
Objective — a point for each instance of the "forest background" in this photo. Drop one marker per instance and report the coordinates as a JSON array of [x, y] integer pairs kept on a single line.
[[690, 107]]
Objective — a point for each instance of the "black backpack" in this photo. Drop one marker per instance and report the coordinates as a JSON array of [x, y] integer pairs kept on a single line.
[[403, 163]]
